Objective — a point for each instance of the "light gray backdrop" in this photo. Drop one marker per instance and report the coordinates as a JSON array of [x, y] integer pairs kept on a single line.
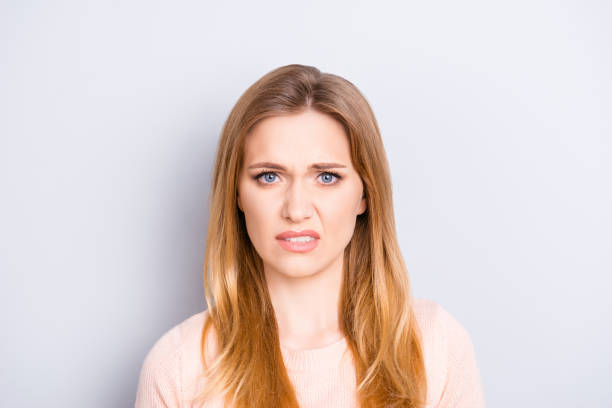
[[495, 117]]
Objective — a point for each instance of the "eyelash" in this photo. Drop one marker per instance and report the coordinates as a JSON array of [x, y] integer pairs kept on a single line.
[[338, 177]]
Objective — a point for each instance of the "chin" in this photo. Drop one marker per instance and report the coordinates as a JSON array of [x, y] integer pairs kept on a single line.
[[297, 269]]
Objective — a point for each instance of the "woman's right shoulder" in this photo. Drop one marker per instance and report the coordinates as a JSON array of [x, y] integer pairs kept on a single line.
[[172, 364], [175, 342]]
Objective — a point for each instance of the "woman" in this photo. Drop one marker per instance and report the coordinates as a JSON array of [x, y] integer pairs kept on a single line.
[[309, 301]]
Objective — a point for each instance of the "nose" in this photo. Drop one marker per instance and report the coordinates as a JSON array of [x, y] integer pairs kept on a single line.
[[297, 205]]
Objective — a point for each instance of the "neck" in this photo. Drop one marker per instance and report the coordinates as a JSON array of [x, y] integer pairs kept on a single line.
[[306, 307]]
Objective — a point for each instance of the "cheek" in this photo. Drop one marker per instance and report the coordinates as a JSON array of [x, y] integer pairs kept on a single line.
[[339, 220], [258, 218]]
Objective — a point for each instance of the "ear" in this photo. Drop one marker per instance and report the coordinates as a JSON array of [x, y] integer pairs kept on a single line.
[[362, 205], [239, 203]]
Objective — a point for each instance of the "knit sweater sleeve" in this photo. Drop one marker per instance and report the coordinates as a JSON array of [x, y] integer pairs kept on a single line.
[[462, 381], [159, 385]]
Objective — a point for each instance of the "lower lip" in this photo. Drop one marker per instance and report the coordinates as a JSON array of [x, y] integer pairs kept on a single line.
[[298, 246]]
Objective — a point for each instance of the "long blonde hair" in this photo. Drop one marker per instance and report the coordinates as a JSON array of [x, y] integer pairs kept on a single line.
[[375, 312]]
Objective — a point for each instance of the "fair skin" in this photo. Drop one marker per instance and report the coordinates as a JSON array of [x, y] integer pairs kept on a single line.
[[304, 287]]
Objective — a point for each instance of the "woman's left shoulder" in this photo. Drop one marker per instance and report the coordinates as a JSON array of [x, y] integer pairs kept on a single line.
[[452, 370], [438, 324]]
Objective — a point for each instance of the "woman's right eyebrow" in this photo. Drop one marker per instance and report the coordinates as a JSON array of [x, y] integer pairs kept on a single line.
[[316, 166]]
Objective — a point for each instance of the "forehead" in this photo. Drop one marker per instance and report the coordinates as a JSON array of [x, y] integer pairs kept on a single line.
[[296, 139]]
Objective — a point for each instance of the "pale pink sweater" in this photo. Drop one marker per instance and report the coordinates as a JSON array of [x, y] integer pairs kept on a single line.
[[322, 377]]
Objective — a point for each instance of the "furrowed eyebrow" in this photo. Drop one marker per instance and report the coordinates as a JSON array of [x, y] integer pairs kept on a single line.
[[316, 166]]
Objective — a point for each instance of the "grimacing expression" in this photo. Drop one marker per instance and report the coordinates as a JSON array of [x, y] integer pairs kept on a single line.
[[299, 197]]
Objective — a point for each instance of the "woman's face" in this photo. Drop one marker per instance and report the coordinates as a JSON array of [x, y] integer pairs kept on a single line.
[[281, 189]]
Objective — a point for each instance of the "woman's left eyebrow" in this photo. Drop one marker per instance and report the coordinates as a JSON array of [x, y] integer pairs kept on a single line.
[[316, 166]]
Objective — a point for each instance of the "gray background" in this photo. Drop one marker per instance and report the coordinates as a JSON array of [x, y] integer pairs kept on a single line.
[[496, 121]]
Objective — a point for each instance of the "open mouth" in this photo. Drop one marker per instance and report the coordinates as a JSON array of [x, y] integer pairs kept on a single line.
[[298, 244]]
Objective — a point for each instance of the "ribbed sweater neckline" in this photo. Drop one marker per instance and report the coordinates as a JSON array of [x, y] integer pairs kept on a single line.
[[315, 358]]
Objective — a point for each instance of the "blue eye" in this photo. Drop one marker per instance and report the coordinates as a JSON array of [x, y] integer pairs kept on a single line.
[[268, 176], [329, 177], [265, 175]]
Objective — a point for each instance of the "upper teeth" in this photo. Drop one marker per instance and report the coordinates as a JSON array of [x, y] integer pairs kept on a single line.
[[300, 239]]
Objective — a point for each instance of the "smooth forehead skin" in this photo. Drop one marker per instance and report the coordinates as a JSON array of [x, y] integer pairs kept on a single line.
[[298, 140]]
